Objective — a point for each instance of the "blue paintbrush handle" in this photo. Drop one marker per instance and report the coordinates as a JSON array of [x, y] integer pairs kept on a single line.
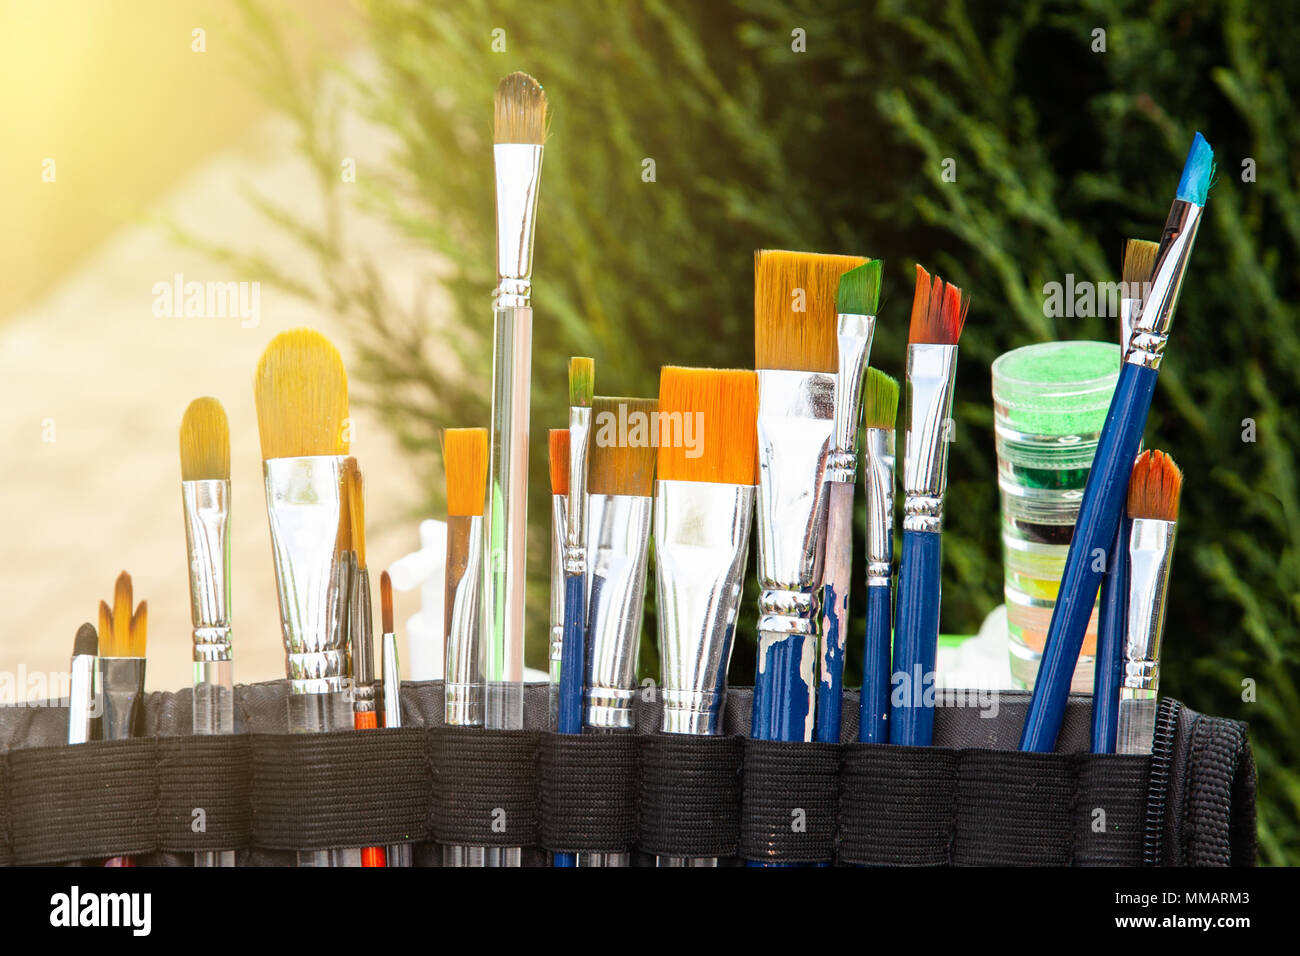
[[1111, 627], [782, 690], [873, 720], [573, 659], [916, 638], [1094, 536]]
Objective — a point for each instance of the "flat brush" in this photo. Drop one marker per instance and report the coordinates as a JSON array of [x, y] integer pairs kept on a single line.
[[465, 460], [1153, 495], [703, 512], [399, 854], [938, 314], [880, 414], [205, 502], [573, 656], [122, 670], [1108, 666], [558, 449], [519, 132], [1103, 496], [857, 300], [82, 690], [796, 356], [301, 393]]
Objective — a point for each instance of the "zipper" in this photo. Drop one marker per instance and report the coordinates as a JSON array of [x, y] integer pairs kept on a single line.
[[1162, 755]]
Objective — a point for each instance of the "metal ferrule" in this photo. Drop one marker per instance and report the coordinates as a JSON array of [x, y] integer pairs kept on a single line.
[[519, 174], [303, 504], [617, 540], [701, 536], [878, 480], [463, 685], [207, 541], [559, 527], [796, 424], [121, 680], [1151, 551], [854, 334], [1129, 308], [575, 536], [82, 703], [931, 372], [391, 672], [361, 627], [1151, 329]]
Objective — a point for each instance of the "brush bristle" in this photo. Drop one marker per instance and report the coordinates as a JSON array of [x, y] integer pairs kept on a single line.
[[86, 643], [123, 601], [302, 396], [386, 602], [106, 643], [880, 400], [1139, 263], [1198, 172], [1155, 487], [357, 511], [582, 382], [140, 630], [465, 452], [520, 113], [622, 461], [795, 308], [708, 425], [558, 440], [938, 311], [343, 539], [205, 441], [859, 292]]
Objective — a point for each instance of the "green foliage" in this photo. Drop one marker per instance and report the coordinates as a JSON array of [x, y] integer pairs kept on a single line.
[[685, 136]]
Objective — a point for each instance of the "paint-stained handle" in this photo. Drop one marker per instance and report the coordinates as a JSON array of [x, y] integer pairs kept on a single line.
[[837, 573], [1109, 665], [916, 639], [783, 687], [873, 718], [1094, 536]]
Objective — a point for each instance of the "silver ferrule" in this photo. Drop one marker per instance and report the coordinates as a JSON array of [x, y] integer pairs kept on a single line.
[[207, 542], [931, 372], [701, 540], [519, 174], [1151, 328], [1129, 308], [854, 334], [878, 481], [617, 540], [575, 535], [796, 424], [559, 527], [391, 672], [463, 686], [303, 501], [1151, 551], [83, 702], [361, 628], [121, 681]]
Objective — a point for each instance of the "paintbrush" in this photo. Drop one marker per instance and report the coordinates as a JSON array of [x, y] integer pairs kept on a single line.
[[122, 669], [620, 499], [519, 132], [1108, 665], [1153, 495], [301, 392], [704, 508], [399, 854], [558, 448], [573, 657], [938, 314], [856, 301], [465, 459], [795, 352], [880, 414], [1103, 496], [205, 501], [82, 690]]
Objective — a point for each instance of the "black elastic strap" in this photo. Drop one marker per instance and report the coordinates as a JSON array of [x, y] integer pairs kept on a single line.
[[587, 786], [484, 787], [789, 801], [204, 792], [690, 795], [897, 805]]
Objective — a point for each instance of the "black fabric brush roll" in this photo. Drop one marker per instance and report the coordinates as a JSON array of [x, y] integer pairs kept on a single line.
[[971, 799]]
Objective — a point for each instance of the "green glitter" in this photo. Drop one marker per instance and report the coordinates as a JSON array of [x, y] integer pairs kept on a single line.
[[1056, 388]]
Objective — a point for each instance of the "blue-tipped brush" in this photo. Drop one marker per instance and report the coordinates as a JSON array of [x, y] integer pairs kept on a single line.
[[881, 411], [1103, 497]]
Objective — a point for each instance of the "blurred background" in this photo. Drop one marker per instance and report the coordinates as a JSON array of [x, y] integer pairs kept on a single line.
[[338, 154]]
